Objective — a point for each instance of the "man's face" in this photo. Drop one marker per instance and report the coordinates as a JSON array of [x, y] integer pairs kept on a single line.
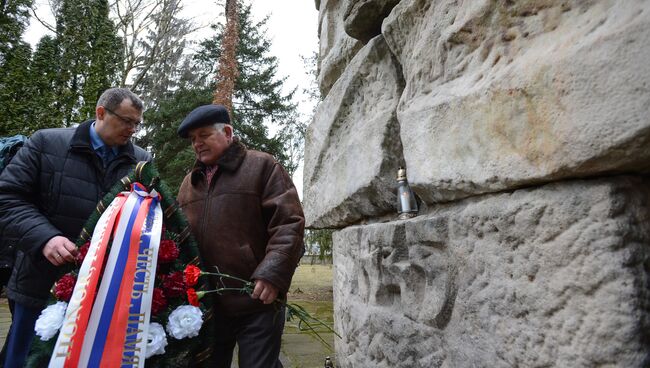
[[209, 143], [116, 127]]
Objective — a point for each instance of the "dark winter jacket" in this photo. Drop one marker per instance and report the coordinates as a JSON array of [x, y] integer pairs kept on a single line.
[[248, 222], [50, 188]]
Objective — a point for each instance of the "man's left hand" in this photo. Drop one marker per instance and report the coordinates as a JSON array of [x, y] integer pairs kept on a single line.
[[264, 291]]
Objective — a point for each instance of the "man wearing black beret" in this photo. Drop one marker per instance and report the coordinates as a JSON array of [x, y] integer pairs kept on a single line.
[[246, 216]]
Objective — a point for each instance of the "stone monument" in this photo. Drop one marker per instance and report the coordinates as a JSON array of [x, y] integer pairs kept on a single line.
[[524, 127]]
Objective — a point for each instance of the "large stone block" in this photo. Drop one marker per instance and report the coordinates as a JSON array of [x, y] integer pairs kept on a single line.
[[363, 18], [336, 48], [503, 94], [555, 276], [352, 149]]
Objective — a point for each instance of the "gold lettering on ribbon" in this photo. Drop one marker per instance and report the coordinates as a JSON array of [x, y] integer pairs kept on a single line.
[[131, 344], [144, 265], [144, 262], [131, 359], [69, 329]]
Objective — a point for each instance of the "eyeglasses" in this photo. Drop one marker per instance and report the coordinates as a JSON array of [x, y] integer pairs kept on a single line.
[[126, 121]]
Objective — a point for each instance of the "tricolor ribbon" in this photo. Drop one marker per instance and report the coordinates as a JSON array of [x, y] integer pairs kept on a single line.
[[111, 329]]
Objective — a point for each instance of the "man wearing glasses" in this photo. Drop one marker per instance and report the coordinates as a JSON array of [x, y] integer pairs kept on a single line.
[[48, 191]]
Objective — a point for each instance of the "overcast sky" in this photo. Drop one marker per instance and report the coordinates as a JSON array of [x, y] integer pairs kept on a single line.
[[292, 27]]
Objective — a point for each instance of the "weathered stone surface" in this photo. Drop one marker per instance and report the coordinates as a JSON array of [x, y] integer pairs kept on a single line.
[[501, 94], [363, 18], [555, 276], [336, 48], [352, 149]]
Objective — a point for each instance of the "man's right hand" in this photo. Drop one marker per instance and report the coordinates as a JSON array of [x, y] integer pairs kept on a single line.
[[60, 250]]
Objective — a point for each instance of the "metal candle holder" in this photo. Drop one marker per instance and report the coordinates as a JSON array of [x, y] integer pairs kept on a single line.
[[407, 206]]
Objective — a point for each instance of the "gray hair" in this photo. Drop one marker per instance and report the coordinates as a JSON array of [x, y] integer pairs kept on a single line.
[[113, 97], [219, 127]]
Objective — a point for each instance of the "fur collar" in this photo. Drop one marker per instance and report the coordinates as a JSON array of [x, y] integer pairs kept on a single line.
[[231, 159]]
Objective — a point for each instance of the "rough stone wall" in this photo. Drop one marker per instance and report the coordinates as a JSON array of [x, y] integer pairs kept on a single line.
[[354, 140], [525, 129], [501, 94], [555, 276]]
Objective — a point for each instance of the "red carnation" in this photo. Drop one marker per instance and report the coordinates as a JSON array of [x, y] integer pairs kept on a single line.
[[159, 302], [168, 251], [83, 250], [192, 274], [64, 287], [192, 297], [174, 285]]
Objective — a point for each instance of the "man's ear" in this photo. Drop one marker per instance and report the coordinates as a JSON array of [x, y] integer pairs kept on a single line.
[[100, 112], [227, 130]]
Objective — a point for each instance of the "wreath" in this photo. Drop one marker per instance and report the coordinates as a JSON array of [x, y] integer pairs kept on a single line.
[[180, 326]]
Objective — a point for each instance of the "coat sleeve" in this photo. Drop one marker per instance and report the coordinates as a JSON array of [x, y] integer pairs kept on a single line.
[[285, 226], [19, 212]]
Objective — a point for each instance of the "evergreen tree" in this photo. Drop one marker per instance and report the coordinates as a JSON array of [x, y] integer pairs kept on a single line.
[[44, 75], [14, 62], [105, 57], [14, 18], [257, 100], [15, 91], [89, 56]]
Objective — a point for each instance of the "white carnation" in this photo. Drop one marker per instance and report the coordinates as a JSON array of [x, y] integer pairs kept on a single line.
[[50, 320], [157, 340], [185, 321]]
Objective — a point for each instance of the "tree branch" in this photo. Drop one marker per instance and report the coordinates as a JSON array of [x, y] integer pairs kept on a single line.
[[42, 22]]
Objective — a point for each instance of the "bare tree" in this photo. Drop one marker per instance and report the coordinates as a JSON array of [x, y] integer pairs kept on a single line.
[[53, 6], [153, 33]]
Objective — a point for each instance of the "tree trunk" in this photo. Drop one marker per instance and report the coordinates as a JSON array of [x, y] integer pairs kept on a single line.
[[228, 70]]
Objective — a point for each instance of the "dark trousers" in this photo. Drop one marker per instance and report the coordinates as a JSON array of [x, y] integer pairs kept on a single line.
[[21, 333], [257, 335]]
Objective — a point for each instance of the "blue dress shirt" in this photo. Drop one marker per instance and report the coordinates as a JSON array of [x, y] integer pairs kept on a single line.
[[106, 153]]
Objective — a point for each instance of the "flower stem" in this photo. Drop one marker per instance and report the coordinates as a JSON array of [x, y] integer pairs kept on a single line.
[[220, 290], [293, 310], [219, 274]]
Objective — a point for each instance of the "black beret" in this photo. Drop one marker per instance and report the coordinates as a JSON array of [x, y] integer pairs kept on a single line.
[[202, 116]]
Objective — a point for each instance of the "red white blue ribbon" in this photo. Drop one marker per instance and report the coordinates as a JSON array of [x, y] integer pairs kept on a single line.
[[112, 330]]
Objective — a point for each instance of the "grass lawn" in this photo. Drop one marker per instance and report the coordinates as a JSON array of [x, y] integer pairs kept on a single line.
[[312, 289]]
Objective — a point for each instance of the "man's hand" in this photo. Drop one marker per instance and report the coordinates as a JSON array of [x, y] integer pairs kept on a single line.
[[264, 291], [60, 250]]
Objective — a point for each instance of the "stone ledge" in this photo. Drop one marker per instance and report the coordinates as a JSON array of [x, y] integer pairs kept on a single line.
[[352, 148]]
